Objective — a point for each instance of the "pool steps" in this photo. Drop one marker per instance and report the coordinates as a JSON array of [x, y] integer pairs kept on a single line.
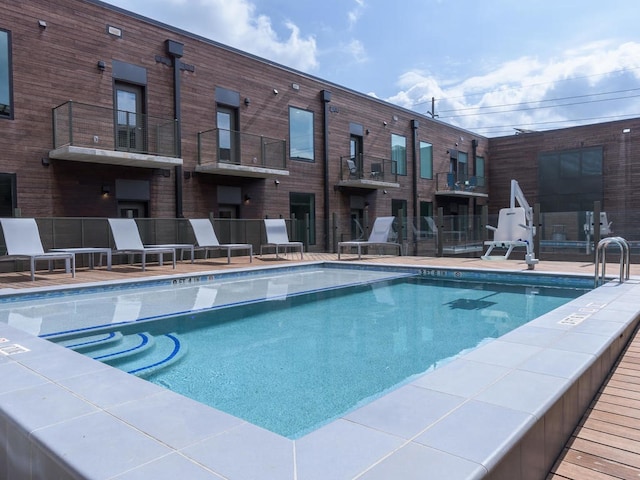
[[140, 353]]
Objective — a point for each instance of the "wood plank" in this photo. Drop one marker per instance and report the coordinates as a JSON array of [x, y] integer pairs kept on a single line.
[[621, 392], [607, 452], [612, 419], [585, 466], [623, 431]]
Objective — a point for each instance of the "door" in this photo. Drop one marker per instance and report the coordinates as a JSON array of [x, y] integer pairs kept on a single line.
[[130, 118], [355, 150], [228, 144]]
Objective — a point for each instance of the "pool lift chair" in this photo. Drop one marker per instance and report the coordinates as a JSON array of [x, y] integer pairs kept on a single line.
[[22, 240], [207, 240], [277, 237], [127, 240], [515, 229], [379, 237]]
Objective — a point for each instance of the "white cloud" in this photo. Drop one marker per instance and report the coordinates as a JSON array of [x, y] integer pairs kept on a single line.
[[529, 93], [355, 13], [235, 23]]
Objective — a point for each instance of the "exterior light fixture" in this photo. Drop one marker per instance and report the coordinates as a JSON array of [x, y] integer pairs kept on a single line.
[[275, 91], [42, 24], [247, 101], [101, 65], [277, 182], [247, 199], [106, 189]]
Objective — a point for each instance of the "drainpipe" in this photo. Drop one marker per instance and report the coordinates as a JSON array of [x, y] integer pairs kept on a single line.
[[326, 98], [415, 124], [175, 51]]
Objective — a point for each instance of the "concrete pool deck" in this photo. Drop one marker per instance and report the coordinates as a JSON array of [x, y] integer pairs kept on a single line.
[[504, 410]]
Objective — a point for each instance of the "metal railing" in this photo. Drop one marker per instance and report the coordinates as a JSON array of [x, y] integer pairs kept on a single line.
[[229, 146], [81, 125], [365, 167]]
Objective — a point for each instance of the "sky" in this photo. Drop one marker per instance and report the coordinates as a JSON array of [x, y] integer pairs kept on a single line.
[[494, 67]]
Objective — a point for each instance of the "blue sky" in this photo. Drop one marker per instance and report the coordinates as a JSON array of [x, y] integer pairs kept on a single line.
[[492, 66]]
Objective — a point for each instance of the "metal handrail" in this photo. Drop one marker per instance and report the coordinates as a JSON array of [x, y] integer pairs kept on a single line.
[[625, 264]]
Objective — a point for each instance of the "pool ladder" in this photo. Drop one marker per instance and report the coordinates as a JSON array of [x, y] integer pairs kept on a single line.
[[601, 258]]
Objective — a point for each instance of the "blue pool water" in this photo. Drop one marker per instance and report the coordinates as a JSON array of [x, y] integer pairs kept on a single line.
[[292, 364]]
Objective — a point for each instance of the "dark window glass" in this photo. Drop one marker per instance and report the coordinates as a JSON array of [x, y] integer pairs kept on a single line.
[[5, 75]]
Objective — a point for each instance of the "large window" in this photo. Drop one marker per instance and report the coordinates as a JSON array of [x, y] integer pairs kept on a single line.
[[5, 75], [426, 160], [301, 135], [399, 153], [480, 171], [570, 180]]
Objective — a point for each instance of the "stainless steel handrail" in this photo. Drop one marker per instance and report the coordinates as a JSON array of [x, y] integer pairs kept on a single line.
[[624, 259]]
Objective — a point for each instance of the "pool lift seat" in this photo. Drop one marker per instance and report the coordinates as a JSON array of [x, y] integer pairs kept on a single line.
[[515, 229]]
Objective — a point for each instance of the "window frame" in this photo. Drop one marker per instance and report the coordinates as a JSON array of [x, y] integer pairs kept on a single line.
[[9, 65], [426, 164], [399, 157], [309, 137]]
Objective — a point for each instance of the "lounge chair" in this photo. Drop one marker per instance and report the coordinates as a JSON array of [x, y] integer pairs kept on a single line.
[[127, 240], [511, 232], [207, 240], [277, 237], [22, 239], [379, 237]]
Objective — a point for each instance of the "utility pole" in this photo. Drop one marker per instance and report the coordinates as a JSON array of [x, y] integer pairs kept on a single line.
[[433, 108]]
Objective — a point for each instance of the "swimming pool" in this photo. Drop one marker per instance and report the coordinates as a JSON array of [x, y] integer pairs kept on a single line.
[[489, 410], [290, 351]]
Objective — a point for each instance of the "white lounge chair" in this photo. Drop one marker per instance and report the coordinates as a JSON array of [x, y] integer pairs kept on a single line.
[[379, 237], [127, 240], [277, 237], [22, 239], [207, 240], [511, 232]]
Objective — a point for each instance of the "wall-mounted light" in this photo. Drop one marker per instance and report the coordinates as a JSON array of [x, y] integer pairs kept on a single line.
[[275, 91], [187, 174], [384, 192], [42, 24], [277, 182], [106, 189], [247, 199], [626, 130], [247, 101], [101, 65], [45, 161], [367, 131], [384, 124], [295, 86]]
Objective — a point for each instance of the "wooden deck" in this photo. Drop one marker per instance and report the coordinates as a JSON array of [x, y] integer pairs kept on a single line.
[[604, 446], [606, 443]]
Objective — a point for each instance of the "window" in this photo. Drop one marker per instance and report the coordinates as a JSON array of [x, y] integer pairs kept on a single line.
[[303, 206], [8, 197], [301, 135], [399, 154], [570, 180], [426, 160], [480, 171], [5, 75]]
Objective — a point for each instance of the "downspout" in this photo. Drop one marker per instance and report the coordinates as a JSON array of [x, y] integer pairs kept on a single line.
[[326, 98], [175, 51], [416, 214]]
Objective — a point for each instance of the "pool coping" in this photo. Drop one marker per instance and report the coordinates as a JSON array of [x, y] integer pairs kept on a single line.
[[503, 410]]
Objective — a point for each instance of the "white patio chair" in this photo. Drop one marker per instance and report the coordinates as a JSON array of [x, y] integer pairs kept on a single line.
[[379, 237], [207, 240], [127, 241], [277, 237]]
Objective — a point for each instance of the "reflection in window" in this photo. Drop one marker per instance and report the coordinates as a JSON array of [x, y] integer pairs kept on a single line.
[[5, 77], [426, 160], [301, 134], [399, 154]]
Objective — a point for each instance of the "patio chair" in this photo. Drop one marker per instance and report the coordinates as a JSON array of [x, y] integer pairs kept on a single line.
[[379, 237], [127, 241], [277, 237], [207, 240], [511, 232], [353, 169], [22, 239]]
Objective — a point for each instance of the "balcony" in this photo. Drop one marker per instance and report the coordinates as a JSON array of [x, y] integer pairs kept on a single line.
[[93, 134], [239, 154], [460, 185], [367, 172]]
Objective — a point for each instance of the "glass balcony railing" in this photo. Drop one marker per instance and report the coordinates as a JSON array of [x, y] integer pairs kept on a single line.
[[365, 167], [460, 182], [81, 125], [239, 148]]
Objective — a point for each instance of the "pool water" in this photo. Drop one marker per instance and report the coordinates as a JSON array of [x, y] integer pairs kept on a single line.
[[292, 364]]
